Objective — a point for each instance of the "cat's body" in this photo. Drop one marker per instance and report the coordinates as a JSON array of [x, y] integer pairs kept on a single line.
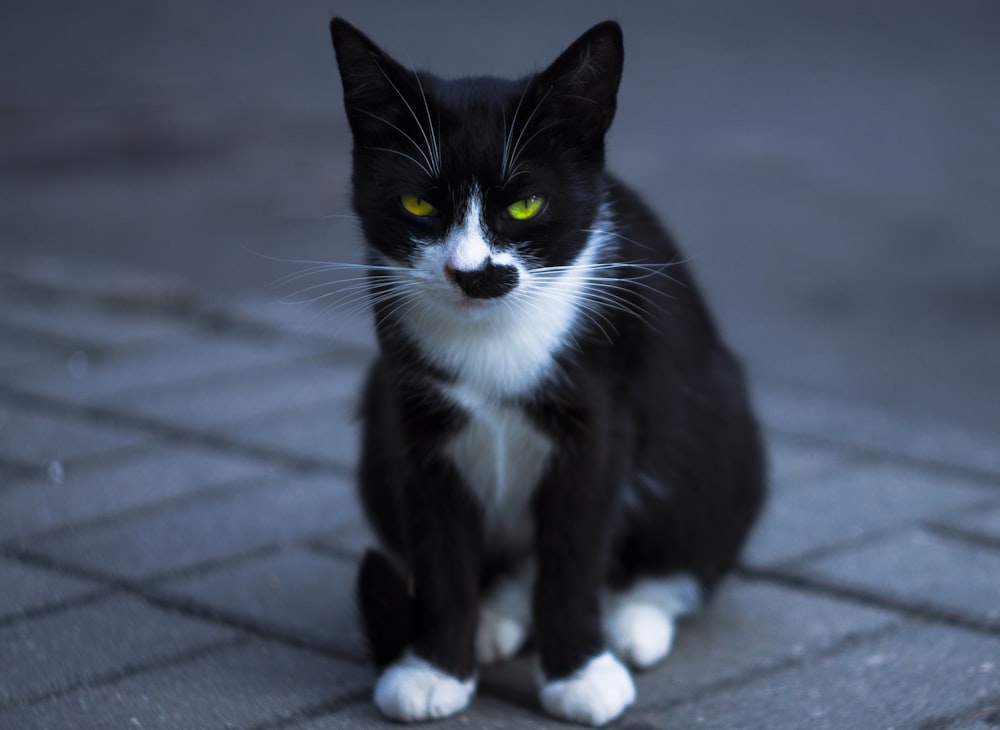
[[555, 441]]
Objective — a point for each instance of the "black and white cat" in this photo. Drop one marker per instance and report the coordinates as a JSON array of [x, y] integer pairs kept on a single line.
[[556, 444]]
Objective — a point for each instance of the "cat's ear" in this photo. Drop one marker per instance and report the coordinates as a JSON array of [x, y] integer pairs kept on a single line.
[[372, 80], [583, 82]]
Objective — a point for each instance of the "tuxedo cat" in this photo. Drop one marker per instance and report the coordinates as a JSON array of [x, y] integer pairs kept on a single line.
[[555, 443]]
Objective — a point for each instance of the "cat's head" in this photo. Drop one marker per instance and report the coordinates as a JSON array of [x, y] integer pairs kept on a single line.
[[478, 184]]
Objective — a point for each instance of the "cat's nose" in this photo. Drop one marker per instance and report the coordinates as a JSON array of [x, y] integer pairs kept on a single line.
[[488, 282]]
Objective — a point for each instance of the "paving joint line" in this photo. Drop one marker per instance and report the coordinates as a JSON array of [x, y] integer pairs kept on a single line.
[[12, 472], [832, 548], [322, 357], [70, 465], [317, 544], [875, 454], [218, 441], [913, 611], [156, 581], [158, 597], [208, 493], [752, 674], [244, 624], [963, 537], [95, 595], [985, 714], [53, 341], [315, 711], [172, 433], [185, 307], [127, 671], [218, 319]]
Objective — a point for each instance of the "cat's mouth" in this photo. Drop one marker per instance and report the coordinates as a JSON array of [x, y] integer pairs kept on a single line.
[[453, 302], [474, 292]]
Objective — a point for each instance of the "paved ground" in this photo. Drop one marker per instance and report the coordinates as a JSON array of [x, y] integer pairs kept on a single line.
[[178, 537], [831, 165], [177, 531]]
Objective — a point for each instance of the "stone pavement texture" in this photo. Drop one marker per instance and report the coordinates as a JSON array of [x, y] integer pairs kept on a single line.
[[178, 532], [178, 536]]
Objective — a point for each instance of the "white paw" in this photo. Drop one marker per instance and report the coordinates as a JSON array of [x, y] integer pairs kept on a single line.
[[595, 695], [641, 634], [498, 636], [412, 690], [639, 621], [505, 616]]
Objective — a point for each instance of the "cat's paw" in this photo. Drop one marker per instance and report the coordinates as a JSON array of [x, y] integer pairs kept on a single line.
[[498, 636], [641, 634], [505, 617], [597, 694], [412, 690]]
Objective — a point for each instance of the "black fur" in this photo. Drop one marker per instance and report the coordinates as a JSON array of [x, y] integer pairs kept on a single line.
[[641, 392]]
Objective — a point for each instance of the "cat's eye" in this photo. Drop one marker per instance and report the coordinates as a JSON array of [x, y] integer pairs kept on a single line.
[[526, 208], [415, 205]]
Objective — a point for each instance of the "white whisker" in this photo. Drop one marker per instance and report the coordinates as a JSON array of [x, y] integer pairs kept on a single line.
[[426, 168], [518, 147], [416, 119], [402, 154], [435, 140]]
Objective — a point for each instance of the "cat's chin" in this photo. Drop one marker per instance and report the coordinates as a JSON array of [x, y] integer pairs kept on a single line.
[[464, 308]]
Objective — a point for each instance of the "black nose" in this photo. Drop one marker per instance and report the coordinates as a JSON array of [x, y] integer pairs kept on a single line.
[[486, 283]]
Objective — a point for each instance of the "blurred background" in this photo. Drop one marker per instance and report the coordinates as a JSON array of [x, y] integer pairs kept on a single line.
[[832, 168]]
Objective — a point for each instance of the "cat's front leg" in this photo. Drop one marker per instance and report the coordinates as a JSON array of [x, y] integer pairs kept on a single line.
[[435, 678], [581, 680]]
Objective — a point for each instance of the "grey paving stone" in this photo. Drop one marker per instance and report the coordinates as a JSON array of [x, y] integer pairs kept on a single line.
[[326, 431], [296, 592], [839, 507], [749, 628], [100, 277], [983, 522], [872, 428], [28, 588], [140, 478], [30, 437], [343, 330], [75, 320], [984, 717], [220, 526], [62, 649], [237, 687], [920, 568], [168, 360], [352, 539], [488, 713], [246, 394], [900, 680], [790, 461], [16, 350]]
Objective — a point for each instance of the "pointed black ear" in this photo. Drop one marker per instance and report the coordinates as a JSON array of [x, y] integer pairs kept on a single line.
[[372, 80], [583, 81]]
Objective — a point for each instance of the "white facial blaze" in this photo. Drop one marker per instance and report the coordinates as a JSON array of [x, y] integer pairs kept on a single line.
[[466, 248], [506, 346]]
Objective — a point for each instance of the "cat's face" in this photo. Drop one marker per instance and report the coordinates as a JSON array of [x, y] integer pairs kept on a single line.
[[478, 186]]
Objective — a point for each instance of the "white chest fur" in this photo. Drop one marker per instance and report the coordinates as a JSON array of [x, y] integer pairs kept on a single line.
[[501, 457]]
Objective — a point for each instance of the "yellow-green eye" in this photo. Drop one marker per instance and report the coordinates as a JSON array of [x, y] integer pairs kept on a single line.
[[415, 205], [526, 208]]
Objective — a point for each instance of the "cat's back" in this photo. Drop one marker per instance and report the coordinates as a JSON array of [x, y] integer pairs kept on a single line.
[[661, 283]]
